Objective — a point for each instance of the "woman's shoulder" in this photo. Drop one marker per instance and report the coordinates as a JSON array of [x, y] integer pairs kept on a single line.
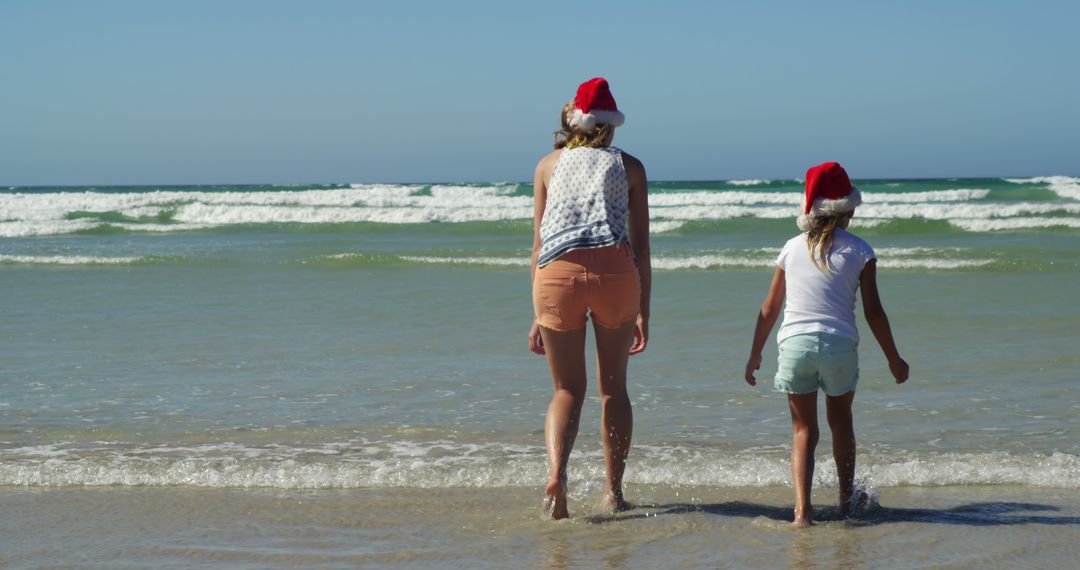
[[630, 162], [547, 163]]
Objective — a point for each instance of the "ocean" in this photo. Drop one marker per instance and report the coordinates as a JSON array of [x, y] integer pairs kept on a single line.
[[337, 375]]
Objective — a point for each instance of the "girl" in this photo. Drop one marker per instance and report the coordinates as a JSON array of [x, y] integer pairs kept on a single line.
[[819, 271], [586, 262]]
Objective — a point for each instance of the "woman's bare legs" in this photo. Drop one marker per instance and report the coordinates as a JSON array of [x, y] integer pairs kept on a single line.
[[566, 359], [838, 410], [804, 441], [617, 417]]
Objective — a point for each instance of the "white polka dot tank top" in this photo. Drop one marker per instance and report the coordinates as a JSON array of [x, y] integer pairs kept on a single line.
[[587, 203]]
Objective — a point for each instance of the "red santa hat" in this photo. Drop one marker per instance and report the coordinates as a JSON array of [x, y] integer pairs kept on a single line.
[[594, 106], [828, 192]]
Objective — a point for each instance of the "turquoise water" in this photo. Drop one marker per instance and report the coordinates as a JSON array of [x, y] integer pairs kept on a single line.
[[373, 337], [362, 327]]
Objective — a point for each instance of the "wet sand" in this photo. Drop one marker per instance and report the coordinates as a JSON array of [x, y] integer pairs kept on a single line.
[[491, 528]]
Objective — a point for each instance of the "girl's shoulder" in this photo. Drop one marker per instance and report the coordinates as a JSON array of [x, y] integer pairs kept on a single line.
[[797, 240], [852, 239], [794, 244], [853, 244]]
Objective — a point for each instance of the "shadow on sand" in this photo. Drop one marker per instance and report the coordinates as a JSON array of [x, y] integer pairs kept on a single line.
[[973, 514]]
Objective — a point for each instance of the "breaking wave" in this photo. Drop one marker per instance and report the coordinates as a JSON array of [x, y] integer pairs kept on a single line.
[[441, 464]]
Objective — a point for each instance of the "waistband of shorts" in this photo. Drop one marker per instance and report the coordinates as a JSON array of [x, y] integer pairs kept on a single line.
[[597, 259], [820, 341]]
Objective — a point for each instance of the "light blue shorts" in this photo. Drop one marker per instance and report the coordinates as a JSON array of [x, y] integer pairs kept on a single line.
[[817, 360]]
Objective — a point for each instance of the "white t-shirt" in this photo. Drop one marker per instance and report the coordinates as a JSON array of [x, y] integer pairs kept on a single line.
[[820, 301]]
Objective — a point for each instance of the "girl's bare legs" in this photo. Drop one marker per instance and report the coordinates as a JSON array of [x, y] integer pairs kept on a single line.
[[804, 441], [566, 359], [617, 418], [838, 410]]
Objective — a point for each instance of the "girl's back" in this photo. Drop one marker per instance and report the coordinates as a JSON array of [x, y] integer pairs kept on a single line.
[[822, 299]]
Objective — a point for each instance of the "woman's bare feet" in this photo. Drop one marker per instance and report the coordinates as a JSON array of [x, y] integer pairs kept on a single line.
[[555, 499]]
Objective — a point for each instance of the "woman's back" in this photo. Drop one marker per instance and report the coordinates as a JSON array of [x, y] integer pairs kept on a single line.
[[587, 202]]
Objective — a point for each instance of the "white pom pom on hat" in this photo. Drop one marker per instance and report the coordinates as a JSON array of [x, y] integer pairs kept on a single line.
[[594, 105], [828, 192]]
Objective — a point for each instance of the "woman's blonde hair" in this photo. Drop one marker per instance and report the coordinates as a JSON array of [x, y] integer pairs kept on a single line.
[[569, 137], [819, 237]]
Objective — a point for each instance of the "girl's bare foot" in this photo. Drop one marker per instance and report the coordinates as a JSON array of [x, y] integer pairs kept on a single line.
[[803, 519], [615, 502], [555, 499], [853, 503]]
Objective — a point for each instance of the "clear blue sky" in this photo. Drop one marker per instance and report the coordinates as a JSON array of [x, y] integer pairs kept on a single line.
[[134, 92]]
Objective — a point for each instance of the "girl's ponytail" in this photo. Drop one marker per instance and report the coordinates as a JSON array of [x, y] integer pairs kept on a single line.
[[819, 238]]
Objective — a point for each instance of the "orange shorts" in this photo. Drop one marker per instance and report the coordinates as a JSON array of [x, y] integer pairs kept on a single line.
[[603, 281]]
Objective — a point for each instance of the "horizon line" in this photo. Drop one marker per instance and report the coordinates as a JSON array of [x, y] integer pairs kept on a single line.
[[4, 187]]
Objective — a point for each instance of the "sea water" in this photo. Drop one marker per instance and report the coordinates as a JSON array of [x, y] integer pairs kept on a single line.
[[337, 375]]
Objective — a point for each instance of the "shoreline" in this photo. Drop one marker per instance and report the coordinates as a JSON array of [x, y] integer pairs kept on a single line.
[[910, 527]]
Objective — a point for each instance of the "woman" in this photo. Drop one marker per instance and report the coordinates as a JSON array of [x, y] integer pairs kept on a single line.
[[587, 262]]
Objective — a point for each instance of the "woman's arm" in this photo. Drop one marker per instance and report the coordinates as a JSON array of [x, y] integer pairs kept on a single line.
[[879, 322], [539, 203], [770, 310], [639, 241], [540, 181]]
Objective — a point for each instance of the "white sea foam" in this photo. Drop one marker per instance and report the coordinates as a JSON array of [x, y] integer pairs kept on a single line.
[[729, 198], [898, 259], [54, 206], [748, 182], [885, 211], [222, 215], [68, 260], [737, 198], [511, 261], [44, 228], [443, 464], [957, 195], [160, 228], [709, 262], [860, 222], [969, 211], [697, 212], [24, 215], [934, 263], [989, 225], [909, 251], [664, 226], [718, 261], [1064, 186]]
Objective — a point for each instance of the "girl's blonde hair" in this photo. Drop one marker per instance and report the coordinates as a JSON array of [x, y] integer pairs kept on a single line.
[[569, 137], [819, 237]]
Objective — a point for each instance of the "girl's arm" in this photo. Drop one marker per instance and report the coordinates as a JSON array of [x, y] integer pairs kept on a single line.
[[639, 240], [770, 310], [879, 322]]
